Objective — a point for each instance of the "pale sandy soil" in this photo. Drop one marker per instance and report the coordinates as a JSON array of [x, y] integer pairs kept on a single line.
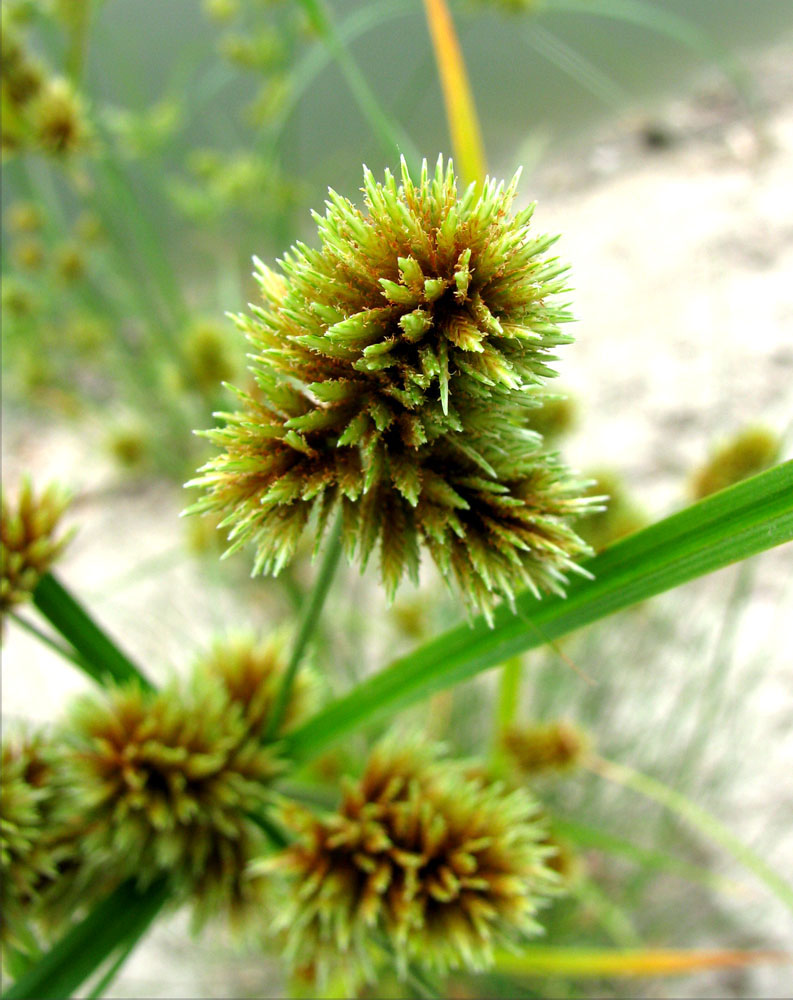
[[683, 266]]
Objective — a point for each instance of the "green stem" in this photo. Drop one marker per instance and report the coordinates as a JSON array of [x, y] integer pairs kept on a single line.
[[392, 137], [696, 817], [100, 989], [308, 622], [98, 655], [506, 707], [78, 41], [60, 648], [127, 912]]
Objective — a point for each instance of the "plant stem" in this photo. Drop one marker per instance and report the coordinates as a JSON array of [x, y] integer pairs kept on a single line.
[[392, 137], [124, 914], [48, 640], [506, 706], [464, 129], [98, 655], [308, 622], [697, 817]]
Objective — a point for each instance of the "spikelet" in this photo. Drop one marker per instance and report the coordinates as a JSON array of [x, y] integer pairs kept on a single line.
[[251, 673], [745, 454], [440, 866], [544, 747], [396, 371], [28, 542]]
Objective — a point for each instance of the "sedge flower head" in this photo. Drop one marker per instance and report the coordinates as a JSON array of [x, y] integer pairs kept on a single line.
[[746, 453], [396, 369], [29, 541], [435, 865], [251, 672], [545, 747], [168, 784], [34, 847]]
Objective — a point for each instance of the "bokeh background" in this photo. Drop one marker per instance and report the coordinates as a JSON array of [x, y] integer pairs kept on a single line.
[[658, 140]]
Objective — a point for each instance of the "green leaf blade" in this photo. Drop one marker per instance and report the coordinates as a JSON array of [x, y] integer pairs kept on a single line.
[[99, 657], [736, 523], [125, 913]]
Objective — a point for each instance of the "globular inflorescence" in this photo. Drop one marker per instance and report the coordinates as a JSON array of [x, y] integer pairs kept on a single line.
[[29, 542], [396, 370], [419, 863], [35, 842], [175, 784]]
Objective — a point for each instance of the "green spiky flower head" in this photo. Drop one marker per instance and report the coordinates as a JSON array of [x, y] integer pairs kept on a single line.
[[396, 367], [440, 866], [251, 672]]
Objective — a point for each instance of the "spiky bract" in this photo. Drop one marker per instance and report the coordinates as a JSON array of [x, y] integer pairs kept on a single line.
[[439, 866], [395, 369], [168, 784], [28, 545]]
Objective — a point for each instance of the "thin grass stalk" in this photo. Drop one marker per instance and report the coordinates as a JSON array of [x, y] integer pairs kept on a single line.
[[99, 656], [393, 139], [308, 623], [464, 128], [695, 816]]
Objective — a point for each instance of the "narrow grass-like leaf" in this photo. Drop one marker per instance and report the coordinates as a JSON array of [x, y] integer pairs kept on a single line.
[[589, 837], [589, 962], [734, 524], [657, 18], [98, 655], [697, 817], [122, 915], [464, 129], [389, 132]]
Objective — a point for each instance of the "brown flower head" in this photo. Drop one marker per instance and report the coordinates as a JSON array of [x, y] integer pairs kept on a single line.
[[551, 746]]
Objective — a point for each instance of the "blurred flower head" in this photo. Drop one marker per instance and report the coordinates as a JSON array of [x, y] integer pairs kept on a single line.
[[437, 867], [29, 541], [744, 454], [169, 784]]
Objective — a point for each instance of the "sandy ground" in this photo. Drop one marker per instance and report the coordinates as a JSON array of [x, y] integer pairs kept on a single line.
[[683, 266]]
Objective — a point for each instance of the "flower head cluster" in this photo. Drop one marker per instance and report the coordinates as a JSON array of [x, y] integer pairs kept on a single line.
[[40, 113], [28, 545], [396, 369], [170, 783], [439, 866]]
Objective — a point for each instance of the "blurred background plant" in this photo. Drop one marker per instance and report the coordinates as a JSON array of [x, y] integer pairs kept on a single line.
[[146, 159]]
